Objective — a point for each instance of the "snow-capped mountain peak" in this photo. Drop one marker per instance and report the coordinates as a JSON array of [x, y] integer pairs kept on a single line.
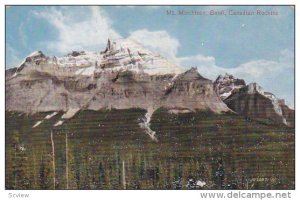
[[125, 54], [226, 84], [119, 55]]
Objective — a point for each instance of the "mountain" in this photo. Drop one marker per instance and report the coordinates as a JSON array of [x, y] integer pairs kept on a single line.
[[125, 75], [288, 113], [127, 118], [227, 84], [252, 101]]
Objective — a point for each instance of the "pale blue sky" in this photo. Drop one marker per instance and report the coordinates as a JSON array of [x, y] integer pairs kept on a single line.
[[261, 45]]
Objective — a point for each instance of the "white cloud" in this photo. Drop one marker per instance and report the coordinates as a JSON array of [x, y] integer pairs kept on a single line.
[[159, 41], [12, 57], [87, 28], [250, 70], [264, 72], [274, 76], [206, 65]]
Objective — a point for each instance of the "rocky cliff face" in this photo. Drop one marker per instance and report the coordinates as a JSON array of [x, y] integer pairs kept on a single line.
[[123, 76], [252, 101], [40, 92], [227, 84], [288, 114], [126, 75]]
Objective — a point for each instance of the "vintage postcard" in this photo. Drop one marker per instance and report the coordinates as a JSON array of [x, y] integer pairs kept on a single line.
[[149, 97]]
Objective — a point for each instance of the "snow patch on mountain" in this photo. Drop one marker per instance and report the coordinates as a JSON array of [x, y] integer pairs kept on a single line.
[[35, 56], [51, 115], [119, 55], [145, 124], [35, 53], [58, 123], [37, 124], [86, 71], [254, 88], [226, 85], [70, 113], [79, 59], [129, 55]]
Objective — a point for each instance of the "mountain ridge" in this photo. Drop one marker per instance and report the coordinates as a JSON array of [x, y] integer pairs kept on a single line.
[[125, 75], [125, 78], [252, 100]]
